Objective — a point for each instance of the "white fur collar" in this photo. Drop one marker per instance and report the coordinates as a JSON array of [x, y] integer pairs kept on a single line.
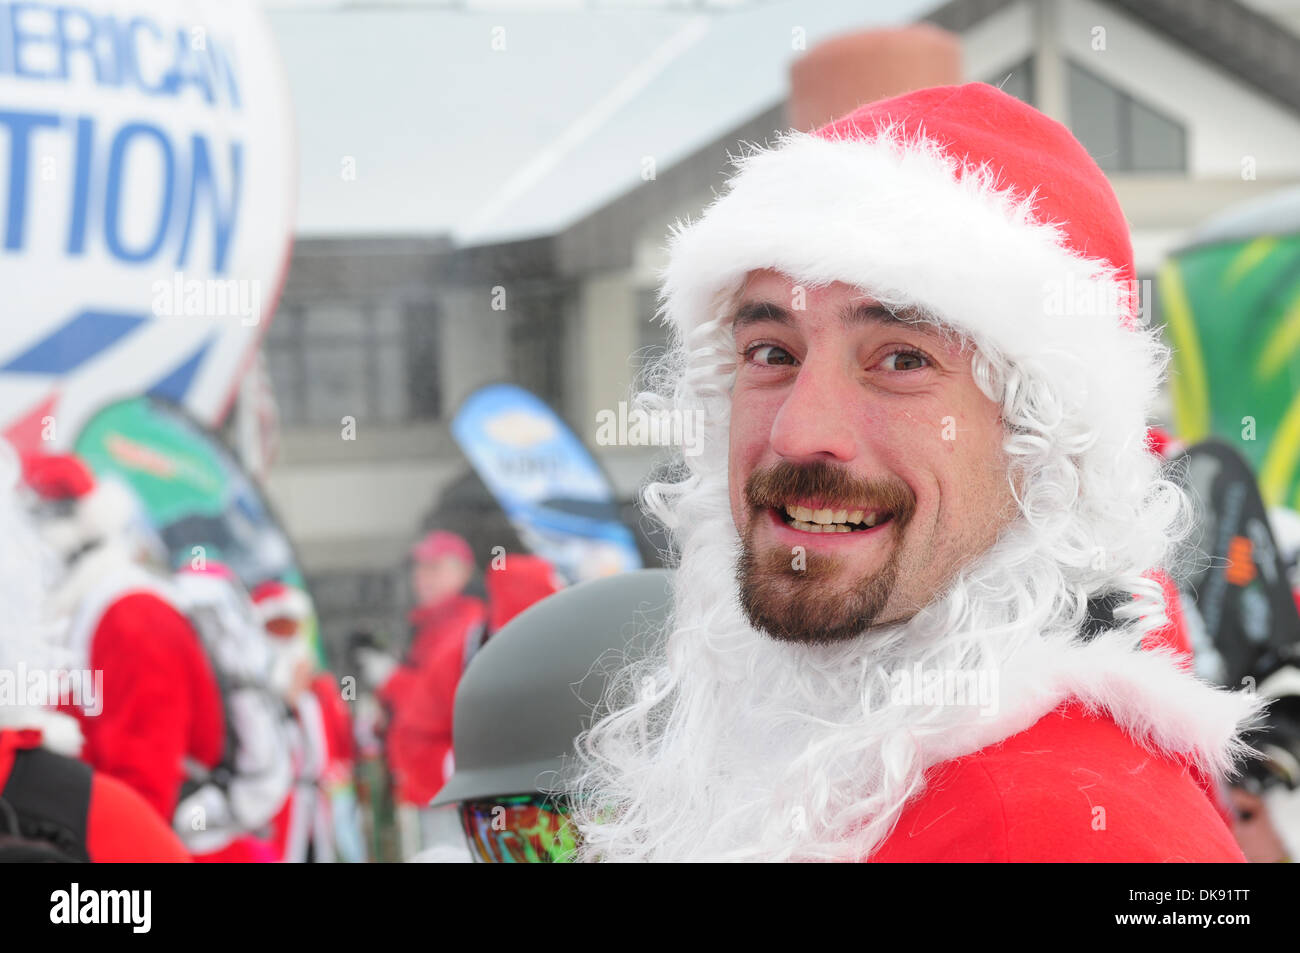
[[1148, 694], [60, 733]]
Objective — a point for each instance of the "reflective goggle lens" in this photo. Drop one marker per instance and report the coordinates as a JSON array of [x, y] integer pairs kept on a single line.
[[523, 829]]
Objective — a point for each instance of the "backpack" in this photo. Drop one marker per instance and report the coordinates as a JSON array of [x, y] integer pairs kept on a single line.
[[44, 806]]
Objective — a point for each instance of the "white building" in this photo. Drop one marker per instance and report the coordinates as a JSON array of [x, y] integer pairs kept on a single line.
[[1190, 105]]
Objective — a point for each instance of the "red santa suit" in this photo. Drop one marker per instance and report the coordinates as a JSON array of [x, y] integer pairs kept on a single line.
[[421, 694], [85, 814], [964, 208], [160, 704], [1074, 786], [254, 778], [324, 769]]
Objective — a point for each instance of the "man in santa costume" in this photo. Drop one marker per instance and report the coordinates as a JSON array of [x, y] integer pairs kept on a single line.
[[317, 816], [420, 693], [56, 806], [226, 813], [917, 615], [161, 707]]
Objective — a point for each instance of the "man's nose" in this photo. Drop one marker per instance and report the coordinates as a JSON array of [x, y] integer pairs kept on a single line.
[[815, 421]]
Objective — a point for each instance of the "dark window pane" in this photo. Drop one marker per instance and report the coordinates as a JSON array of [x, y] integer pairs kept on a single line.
[[1122, 134], [1096, 118], [1159, 144], [536, 361], [336, 382], [286, 383], [422, 377], [1018, 81], [386, 322], [390, 383], [331, 321]]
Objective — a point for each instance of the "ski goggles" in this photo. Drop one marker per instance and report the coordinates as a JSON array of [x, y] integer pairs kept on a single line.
[[520, 829]]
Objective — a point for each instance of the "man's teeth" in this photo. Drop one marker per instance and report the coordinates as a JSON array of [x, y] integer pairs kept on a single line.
[[828, 521]]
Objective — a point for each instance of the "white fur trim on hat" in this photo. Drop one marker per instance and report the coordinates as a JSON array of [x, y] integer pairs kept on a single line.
[[60, 732], [105, 513], [288, 603], [898, 217]]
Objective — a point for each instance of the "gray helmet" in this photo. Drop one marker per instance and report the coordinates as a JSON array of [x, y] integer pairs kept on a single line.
[[531, 689]]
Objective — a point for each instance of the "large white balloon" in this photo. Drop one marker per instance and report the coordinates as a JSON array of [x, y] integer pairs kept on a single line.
[[147, 194]]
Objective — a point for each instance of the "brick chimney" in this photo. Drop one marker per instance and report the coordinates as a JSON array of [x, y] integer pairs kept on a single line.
[[841, 73]]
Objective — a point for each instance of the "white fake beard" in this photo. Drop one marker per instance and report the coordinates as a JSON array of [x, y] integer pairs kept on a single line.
[[730, 745]]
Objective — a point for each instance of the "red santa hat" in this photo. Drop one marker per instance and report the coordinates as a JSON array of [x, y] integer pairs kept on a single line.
[[1163, 444], [75, 508], [275, 600], [439, 543], [961, 202]]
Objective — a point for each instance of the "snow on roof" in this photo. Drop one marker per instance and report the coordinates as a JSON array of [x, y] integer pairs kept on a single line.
[[493, 124]]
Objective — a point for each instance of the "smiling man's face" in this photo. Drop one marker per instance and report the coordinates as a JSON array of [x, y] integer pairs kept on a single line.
[[866, 466]]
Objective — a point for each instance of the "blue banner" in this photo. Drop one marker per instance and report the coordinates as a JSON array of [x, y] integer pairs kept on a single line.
[[548, 483]]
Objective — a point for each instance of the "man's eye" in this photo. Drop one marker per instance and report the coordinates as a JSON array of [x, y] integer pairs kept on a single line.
[[769, 354], [905, 361]]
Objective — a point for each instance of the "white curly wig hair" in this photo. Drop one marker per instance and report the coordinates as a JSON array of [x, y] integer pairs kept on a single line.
[[726, 744], [29, 640]]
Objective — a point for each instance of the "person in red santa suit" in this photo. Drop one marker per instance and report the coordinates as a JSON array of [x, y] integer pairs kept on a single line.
[[160, 704], [57, 807], [911, 341], [420, 693], [227, 812], [315, 822]]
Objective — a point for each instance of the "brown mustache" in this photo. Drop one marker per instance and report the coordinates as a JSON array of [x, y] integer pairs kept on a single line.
[[777, 485]]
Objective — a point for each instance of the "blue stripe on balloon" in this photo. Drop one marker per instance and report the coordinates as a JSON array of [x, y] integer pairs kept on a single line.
[[174, 386], [68, 347]]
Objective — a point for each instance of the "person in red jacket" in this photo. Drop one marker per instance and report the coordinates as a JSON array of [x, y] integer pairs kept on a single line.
[[448, 625], [160, 703], [316, 821], [918, 611], [55, 806]]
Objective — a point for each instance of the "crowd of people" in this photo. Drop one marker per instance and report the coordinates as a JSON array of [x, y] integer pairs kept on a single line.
[[923, 586], [158, 712]]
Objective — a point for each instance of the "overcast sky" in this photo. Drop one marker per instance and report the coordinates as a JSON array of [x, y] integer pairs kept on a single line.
[[450, 135]]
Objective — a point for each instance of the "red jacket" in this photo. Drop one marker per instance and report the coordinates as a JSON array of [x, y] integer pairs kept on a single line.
[[1072, 787], [336, 719], [160, 700], [521, 581], [120, 826], [422, 696]]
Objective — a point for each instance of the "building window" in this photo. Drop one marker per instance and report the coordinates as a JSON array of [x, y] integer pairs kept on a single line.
[[1120, 133], [422, 375], [537, 343], [1017, 81], [367, 601], [373, 362]]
